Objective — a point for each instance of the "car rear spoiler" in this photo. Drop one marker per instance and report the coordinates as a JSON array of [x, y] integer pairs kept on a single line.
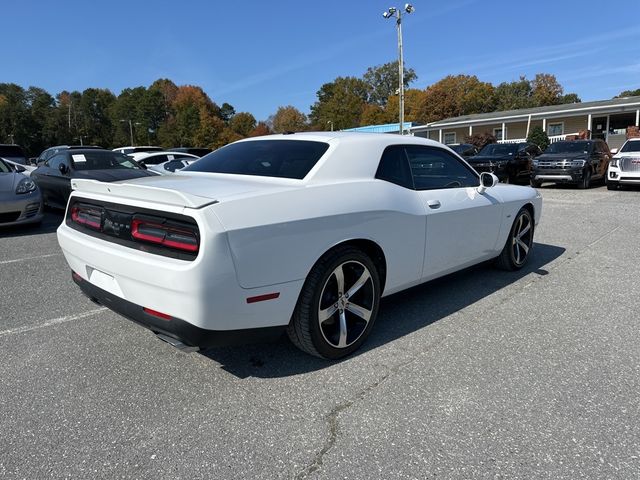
[[141, 192]]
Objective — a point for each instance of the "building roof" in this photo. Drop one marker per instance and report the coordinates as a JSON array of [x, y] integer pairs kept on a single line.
[[616, 104], [385, 128]]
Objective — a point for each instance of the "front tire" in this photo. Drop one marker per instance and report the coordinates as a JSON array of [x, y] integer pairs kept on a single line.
[[519, 243], [612, 185], [586, 180], [536, 183], [337, 306]]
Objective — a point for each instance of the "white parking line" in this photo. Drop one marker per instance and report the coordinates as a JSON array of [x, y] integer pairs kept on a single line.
[[4, 262], [49, 323]]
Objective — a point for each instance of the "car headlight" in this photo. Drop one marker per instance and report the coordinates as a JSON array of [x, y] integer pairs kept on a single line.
[[578, 163], [614, 162], [26, 185]]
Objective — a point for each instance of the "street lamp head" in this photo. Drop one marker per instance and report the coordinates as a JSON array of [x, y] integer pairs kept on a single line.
[[386, 14], [409, 8]]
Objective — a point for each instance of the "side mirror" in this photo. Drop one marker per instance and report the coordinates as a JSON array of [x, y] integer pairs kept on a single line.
[[20, 169], [614, 151], [487, 180], [142, 165], [63, 169]]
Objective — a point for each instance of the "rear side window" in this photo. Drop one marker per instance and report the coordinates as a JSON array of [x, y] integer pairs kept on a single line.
[[394, 167], [265, 158]]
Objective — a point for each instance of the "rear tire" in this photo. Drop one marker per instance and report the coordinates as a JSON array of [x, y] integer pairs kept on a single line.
[[338, 304], [612, 185], [519, 243], [536, 183]]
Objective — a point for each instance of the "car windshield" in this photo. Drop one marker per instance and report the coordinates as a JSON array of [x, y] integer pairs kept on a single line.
[[633, 146], [265, 158], [14, 153], [568, 147], [499, 149], [101, 160]]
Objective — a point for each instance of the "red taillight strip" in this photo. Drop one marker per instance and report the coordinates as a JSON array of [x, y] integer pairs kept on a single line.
[[262, 298], [137, 224], [155, 313]]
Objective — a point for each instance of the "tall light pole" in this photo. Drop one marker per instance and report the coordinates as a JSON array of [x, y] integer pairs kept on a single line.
[[130, 129], [330, 122], [397, 14]]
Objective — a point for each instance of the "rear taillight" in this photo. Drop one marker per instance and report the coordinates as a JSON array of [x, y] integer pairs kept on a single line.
[[166, 235], [87, 216]]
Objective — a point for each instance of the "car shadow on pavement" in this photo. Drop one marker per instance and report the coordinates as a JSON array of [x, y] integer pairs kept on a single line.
[[50, 223], [400, 314]]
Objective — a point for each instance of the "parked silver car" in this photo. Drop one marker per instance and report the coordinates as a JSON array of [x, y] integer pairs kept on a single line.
[[20, 198]]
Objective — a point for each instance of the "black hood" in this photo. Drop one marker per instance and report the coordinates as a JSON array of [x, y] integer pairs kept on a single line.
[[561, 156], [112, 174], [489, 158]]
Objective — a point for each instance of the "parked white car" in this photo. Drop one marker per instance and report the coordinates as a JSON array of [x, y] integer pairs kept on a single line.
[[164, 162], [624, 167], [302, 232]]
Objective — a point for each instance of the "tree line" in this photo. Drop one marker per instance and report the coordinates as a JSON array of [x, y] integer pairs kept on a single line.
[[169, 115]]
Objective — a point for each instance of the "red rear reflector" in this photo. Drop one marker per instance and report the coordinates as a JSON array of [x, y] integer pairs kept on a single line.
[[181, 239], [155, 313], [86, 216], [262, 298]]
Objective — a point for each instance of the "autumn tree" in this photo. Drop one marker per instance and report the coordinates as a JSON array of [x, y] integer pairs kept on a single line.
[[383, 81], [373, 114], [262, 128], [242, 123], [454, 96], [340, 103], [413, 104], [546, 90], [94, 121], [480, 139], [288, 119], [514, 95]]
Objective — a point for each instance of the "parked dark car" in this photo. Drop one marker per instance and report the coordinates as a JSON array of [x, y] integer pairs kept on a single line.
[[510, 162], [198, 151], [572, 161], [464, 149], [54, 175], [51, 151], [14, 153]]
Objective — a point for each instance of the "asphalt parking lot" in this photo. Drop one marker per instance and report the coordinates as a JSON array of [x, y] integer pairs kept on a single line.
[[483, 374]]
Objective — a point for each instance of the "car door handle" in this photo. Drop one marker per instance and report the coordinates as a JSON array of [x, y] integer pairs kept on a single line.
[[434, 204]]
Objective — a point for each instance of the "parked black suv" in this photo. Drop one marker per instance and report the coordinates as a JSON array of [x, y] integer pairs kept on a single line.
[[464, 149], [510, 162], [572, 161]]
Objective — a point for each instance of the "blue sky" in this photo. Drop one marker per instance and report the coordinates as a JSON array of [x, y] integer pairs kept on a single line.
[[259, 55]]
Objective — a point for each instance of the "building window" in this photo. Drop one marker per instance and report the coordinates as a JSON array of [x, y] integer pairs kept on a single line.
[[555, 129], [497, 132], [449, 138]]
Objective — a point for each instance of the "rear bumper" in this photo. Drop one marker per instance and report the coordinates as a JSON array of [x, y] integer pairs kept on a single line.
[[177, 328]]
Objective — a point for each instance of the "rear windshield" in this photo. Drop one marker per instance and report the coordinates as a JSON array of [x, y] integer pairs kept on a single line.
[[265, 158], [631, 146], [101, 160], [568, 147]]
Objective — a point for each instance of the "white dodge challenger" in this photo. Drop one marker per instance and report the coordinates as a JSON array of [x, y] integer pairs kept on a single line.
[[300, 232]]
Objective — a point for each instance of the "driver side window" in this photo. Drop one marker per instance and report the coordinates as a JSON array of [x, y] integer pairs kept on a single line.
[[57, 160], [435, 168]]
